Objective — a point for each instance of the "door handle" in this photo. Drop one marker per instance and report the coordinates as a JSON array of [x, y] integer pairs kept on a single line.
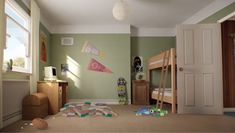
[[181, 69]]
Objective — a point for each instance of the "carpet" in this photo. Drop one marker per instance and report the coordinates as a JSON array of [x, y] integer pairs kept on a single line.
[[127, 121], [229, 114]]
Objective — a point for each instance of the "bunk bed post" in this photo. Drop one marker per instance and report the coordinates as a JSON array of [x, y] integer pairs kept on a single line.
[[173, 79], [148, 74]]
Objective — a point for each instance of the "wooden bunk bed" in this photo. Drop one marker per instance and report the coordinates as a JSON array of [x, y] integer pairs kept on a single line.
[[156, 62]]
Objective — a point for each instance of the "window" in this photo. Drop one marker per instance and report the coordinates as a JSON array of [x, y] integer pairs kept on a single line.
[[17, 38]]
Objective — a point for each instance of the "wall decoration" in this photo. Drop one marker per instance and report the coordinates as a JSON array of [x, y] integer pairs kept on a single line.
[[67, 41], [94, 65], [64, 69], [43, 47], [91, 49], [137, 64]]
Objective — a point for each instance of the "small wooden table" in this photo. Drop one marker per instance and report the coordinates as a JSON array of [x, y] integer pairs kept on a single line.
[[56, 91]]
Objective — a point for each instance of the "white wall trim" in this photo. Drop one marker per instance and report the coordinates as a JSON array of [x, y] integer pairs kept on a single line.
[[35, 23], [12, 120], [106, 101], [208, 11], [45, 23], [152, 32], [2, 44], [229, 109], [84, 29], [226, 17]]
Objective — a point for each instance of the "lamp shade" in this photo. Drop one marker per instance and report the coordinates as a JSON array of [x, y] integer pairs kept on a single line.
[[120, 10]]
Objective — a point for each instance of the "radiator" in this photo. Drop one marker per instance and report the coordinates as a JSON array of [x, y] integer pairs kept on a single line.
[[13, 93]]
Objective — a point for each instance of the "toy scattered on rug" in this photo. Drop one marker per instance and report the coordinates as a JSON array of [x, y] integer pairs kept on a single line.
[[122, 93], [153, 111], [39, 123], [87, 109]]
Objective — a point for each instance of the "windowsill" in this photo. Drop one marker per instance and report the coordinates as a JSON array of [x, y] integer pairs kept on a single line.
[[17, 72]]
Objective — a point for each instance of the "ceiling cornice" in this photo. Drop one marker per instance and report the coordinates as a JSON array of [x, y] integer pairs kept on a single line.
[[151, 32], [45, 23], [208, 11], [86, 29]]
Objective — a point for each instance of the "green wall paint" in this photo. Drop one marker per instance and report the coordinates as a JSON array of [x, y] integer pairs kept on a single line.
[[220, 14], [148, 47], [45, 34], [23, 6], [85, 84]]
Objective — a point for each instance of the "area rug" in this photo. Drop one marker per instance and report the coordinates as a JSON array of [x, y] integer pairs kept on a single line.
[[87, 109], [229, 114]]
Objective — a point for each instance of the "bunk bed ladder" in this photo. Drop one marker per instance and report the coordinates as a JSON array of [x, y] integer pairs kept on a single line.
[[163, 78]]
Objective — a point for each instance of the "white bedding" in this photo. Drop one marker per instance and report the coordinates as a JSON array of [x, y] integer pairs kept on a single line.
[[167, 92]]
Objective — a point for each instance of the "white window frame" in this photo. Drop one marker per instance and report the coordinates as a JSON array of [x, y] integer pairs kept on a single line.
[[26, 16]]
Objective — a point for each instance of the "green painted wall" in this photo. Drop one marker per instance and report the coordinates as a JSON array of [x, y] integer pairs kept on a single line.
[[148, 47], [44, 32], [22, 5], [220, 14], [85, 84]]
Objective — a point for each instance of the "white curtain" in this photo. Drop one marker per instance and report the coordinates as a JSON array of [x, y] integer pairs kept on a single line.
[[2, 44], [35, 18]]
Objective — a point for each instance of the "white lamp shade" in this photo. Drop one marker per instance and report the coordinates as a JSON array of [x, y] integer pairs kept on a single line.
[[120, 10]]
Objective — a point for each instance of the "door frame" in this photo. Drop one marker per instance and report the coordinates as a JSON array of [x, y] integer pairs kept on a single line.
[[221, 21]]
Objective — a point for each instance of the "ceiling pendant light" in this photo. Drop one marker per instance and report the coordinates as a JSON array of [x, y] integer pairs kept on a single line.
[[120, 10]]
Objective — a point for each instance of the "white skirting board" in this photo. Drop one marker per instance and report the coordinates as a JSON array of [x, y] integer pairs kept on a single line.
[[13, 93], [106, 101], [11, 118], [229, 109]]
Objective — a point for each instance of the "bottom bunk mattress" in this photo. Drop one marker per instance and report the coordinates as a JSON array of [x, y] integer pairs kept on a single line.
[[167, 95]]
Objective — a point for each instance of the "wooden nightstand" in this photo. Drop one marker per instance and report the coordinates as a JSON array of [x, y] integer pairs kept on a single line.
[[140, 92]]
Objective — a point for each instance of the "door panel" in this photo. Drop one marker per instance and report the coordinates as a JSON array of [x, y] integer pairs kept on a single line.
[[189, 89], [200, 82], [188, 49], [208, 89], [207, 44]]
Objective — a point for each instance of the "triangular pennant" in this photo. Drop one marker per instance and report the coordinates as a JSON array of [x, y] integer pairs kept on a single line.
[[90, 49], [94, 65]]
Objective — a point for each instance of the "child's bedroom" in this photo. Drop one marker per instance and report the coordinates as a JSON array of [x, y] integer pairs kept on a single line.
[[117, 65]]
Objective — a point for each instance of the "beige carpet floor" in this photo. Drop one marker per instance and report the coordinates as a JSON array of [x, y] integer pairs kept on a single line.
[[127, 121]]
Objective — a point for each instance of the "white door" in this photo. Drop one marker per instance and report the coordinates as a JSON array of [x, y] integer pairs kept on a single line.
[[199, 73]]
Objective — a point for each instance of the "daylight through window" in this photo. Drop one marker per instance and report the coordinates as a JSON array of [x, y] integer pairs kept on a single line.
[[17, 38]]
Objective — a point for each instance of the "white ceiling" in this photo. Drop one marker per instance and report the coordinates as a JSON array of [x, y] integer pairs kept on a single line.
[[143, 13]]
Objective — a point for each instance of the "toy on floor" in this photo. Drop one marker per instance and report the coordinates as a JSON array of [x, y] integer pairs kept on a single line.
[[39, 123], [87, 109], [122, 93], [153, 111]]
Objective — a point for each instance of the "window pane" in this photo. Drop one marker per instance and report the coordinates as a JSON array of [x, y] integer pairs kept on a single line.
[[17, 43], [16, 16]]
